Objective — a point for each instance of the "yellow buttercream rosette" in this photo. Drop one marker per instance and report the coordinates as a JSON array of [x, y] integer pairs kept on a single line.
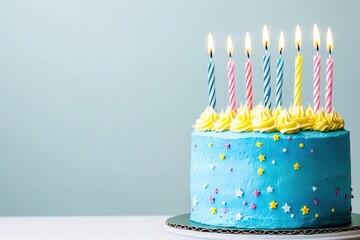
[[206, 120], [223, 123], [320, 122], [285, 124], [242, 121], [298, 114], [262, 120]]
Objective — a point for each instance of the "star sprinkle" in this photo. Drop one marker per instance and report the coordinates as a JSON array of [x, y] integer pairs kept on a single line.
[[253, 206], [261, 157], [314, 188], [238, 217], [286, 207], [316, 201], [301, 145], [222, 156], [224, 210], [211, 166], [296, 166], [239, 193], [260, 171], [273, 204], [213, 210], [269, 189], [305, 210], [257, 193], [227, 145], [316, 215], [276, 137], [211, 199], [210, 145], [205, 185], [195, 202], [284, 150], [259, 144], [216, 190]]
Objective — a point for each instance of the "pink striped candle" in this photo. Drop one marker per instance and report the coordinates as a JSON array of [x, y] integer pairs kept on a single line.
[[329, 74], [317, 69], [248, 72], [231, 76]]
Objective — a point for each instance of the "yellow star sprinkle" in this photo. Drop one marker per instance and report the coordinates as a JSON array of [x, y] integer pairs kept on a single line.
[[305, 210], [261, 171], [259, 144], [213, 210], [296, 166], [301, 145], [273, 204], [317, 215], [210, 144], [261, 157], [276, 137], [333, 210], [222, 156]]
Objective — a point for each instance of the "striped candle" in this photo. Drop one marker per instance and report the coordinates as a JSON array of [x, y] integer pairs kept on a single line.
[[329, 74], [211, 74], [279, 73], [317, 69], [231, 76], [248, 72], [298, 69], [266, 70]]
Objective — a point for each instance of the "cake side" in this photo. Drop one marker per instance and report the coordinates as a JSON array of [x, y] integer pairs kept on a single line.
[[271, 180]]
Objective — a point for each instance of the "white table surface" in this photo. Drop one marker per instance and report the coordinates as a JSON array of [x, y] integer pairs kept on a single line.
[[83, 228]]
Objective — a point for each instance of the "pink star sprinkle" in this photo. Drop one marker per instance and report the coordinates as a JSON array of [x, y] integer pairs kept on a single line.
[[316, 201], [224, 210], [257, 193], [227, 145], [252, 206], [216, 190], [211, 199]]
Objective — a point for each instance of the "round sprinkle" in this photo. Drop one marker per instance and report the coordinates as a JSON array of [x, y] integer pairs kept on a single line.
[[333, 210], [312, 150], [244, 203], [223, 203], [292, 215], [210, 144], [288, 138], [227, 145], [216, 190], [230, 168], [273, 162], [222, 156], [301, 145], [316, 215], [284, 150]]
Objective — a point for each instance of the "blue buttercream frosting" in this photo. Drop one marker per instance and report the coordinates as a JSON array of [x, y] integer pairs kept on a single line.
[[271, 180]]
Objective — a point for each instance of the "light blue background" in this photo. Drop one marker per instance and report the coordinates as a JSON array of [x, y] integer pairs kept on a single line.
[[97, 98]]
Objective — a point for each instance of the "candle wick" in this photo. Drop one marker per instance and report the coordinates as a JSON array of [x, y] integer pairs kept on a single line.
[[230, 55], [211, 54], [330, 52], [317, 48], [281, 51], [298, 47], [248, 55], [266, 47]]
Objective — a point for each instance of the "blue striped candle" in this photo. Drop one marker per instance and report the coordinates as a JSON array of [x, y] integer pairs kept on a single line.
[[279, 81], [266, 75], [211, 84]]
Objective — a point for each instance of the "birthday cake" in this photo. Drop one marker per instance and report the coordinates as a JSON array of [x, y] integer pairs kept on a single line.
[[266, 168]]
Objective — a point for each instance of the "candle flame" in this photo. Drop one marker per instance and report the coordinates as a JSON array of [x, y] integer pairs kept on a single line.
[[247, 44], [329, 40], [281, 42], [316, 36], [266, 37], [229, 46], [210, 44], [298, 37]]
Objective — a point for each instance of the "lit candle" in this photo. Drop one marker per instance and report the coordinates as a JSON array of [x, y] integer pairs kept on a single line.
[[266, 69], [248, 72], [298, 69], [231, 75], [317, 69], [329, 74], [211, 73], [279, 73]]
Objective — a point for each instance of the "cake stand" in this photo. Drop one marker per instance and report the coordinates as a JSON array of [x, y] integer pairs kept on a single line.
[[181, 228]]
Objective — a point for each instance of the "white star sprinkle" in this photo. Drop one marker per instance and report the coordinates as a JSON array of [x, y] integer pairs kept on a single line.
[[270, 189], [286, 208], [314, 188], [238, 217], [205, 185], [195, 202], [239, 193], [212, 166]]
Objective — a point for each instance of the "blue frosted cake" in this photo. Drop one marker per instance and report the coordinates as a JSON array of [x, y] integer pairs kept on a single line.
[[268, 169]]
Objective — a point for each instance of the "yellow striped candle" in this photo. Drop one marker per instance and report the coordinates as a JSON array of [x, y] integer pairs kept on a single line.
[[298, 69]]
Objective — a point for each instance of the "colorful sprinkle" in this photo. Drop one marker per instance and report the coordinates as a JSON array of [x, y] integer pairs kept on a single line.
[[316, 215], [286, 207], [216, 190], [253, 206], [195, 202], [213, 210], [312, 150], [316, 201], [276, 137], [273, 204], [227, 145], [259, 144], [239, 192], [223, 203], [260, 171], [270, 189], [296, 166], [230, 168], [211, 199], [210, 144], [337, 192], [238, 217], [261, 157], [205, 185], [301, 145], [244, 203], [222, 156], [333, 210], [273, 162], [288, 138], [212, 166], [314, 188], [224, 210], [284, 150], [292, 215], [305, 210], [257, 193]]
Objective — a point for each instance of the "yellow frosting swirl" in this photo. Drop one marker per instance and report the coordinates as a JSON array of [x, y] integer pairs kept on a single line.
[[285, 124], [262, 120], [242, 121], [276, 112], [223, 123], [320, 122], [298, 114], [206, 120], [310, 112], [335, 121], [340, 123]]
